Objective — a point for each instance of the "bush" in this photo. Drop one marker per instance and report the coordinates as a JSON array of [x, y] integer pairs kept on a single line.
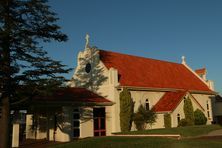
[[199, 117], [143, 117], [183, 122], [167, 120], [139, 121]]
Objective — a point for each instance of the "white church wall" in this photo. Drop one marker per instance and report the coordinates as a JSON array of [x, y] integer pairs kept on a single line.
[[159, 122], [29, 133], [34, 134], [64, 131], [139, 97], [178, 111], [86, 125], [203, 101]]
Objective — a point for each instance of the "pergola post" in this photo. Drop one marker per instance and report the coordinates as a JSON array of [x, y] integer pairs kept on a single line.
[[15, 135]]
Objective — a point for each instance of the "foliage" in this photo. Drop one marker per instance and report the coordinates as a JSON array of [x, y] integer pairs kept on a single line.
[[126, 110], [153, 142], [24, 24], [183, 131], [139, 121], [188, 111], [167, 120], [94, 78], [143, 117], [199, 117], [183, 122]]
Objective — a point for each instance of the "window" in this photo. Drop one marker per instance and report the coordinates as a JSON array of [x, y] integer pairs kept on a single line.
[[178, 119], [207, 106], [88, 67], [208, 111], [75, 123], [147, 105]]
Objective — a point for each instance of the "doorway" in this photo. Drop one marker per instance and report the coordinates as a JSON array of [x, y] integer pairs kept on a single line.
[[99, 121]]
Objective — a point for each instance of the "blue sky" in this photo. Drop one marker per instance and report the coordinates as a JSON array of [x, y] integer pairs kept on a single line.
[[160, 29]]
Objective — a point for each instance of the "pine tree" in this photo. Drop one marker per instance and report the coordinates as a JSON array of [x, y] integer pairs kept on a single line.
[[126, 110], [24, 24], [90, 73], [188, 111]]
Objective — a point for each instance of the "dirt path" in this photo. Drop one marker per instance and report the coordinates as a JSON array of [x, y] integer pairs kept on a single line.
[[215, 133]]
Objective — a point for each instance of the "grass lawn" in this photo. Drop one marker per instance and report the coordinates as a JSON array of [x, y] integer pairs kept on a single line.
[[189, 131], [141, 142], [153, 142]]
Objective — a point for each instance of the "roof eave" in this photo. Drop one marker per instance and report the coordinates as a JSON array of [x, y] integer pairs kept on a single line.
[[148, 88], [203, 92], [70, 103]]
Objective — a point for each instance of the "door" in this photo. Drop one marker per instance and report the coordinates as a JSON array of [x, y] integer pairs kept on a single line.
[[99, 121]]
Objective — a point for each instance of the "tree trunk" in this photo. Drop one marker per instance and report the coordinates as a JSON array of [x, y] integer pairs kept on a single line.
[[5, 124]]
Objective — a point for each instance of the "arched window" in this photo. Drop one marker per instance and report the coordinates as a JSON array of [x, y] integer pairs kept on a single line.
[[178, 119], [208, 111], [207, 105], [147, 105]]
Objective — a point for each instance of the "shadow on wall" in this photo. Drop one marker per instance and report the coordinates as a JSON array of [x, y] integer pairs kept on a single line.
[[89, 74]]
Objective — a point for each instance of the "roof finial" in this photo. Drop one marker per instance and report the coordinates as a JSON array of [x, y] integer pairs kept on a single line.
[[183, 60], [87, 41]]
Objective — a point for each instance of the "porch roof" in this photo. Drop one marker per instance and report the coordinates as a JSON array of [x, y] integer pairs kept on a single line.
[[73, 96], [169, 101]]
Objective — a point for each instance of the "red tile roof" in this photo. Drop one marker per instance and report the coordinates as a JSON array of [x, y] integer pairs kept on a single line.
[[73, 95], [201, 71], [145, 72], [169, 101]]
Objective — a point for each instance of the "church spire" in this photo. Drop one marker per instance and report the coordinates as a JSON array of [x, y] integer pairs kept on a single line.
[[87, 41]]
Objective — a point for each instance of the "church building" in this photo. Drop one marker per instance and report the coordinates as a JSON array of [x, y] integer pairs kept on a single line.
[[156, 84], [90, 106]]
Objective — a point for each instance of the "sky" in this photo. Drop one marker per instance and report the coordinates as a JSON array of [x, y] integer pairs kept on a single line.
[[158, 29]]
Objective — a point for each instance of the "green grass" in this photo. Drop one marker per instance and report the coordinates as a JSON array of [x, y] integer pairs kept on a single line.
[[152, 142], [141, 142], [189, 131]]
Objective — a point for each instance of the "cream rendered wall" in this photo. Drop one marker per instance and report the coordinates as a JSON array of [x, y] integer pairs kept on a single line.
[[30, 134], [139, 97], [86, 123], [203, 99], [178, 110], [159, 121], [64, 131], [109, 91]]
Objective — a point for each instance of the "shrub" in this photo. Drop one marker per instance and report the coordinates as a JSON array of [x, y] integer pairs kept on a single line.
[[188, 111], [167, 120], [199, 117], [139, 121], [143, 117], [183, 122], [126, 110]]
